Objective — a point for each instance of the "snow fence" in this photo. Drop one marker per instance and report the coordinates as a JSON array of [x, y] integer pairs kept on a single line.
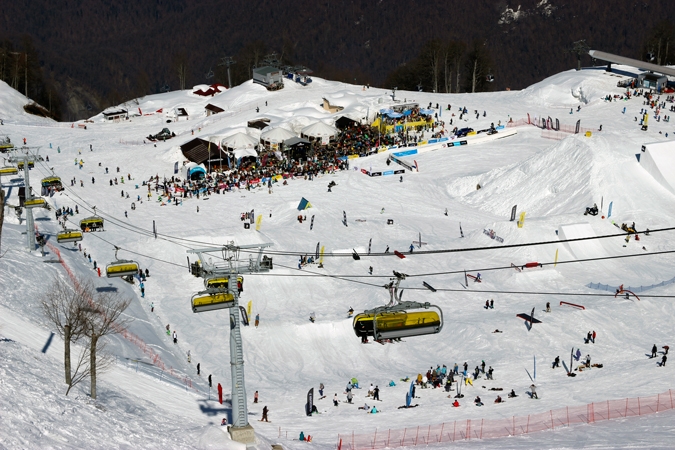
[[469, 429]]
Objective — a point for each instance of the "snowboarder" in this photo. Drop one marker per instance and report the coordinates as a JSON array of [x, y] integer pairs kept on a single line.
[[175, 337], [335, 400], [478, 402], [489, 373], [588, 360], [533, 391], [654, 350], [512, 394], [412, 247], [492, 303], [255, 397], [351, 311], [664, 358], [350, 396], [556, 362], [548, 307], [264, 414], [478, 277], [376, 393]]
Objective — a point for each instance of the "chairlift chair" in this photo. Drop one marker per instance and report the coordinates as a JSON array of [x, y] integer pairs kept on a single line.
[[92, 223], [69, 236], [19, 165], [53, 182], [490, 78], [211, 299], [121, 268], [8, 171], [221, 282], [406, 319], [35, 202]]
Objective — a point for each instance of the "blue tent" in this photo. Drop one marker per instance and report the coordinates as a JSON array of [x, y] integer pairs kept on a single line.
[[304, 204]]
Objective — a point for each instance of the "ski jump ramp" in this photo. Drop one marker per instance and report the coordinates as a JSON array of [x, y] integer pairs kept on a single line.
[[581, 249], [658, 158]]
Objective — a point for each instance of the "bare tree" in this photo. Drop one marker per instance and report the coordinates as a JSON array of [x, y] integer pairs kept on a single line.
[[103, 319], [180, 64], [65, 306]]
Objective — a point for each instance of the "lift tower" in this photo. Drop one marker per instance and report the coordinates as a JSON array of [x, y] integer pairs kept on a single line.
[[27, 156], [229, 267]]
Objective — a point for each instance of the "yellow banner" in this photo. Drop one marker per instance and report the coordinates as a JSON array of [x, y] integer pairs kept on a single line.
[[258, 222], [249, 308], [521, 222]]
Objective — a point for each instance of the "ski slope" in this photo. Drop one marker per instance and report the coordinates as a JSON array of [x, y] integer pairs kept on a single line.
[[552, 181]]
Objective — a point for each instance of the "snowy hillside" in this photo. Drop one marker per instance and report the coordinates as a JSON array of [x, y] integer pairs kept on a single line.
[[552, 181]]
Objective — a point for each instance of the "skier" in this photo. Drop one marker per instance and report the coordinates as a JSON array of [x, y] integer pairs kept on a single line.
[[487, 304], [533, 390], [478, 277], [376, 393], [489, 373], [654, 350], [142, 286], [175, 337], [412, 247], [335, 400], [478, 402], [264, 414], [257, 321], [664, 358], [556, 362], [548, 307], [321, 387], [255, 397], [492, 304]]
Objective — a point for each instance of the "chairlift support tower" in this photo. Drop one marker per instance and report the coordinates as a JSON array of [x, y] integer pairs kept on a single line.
[[240, 430], [27, 157]]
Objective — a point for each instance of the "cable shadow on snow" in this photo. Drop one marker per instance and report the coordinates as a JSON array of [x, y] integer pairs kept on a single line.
[[207, 408]]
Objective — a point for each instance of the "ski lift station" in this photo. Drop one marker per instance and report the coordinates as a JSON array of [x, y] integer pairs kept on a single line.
[[655, 77], [268, 76]]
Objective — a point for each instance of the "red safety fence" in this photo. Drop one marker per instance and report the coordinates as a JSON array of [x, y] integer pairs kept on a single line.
[[461, 430]]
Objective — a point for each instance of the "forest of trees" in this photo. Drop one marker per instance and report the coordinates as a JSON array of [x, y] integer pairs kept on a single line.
[[85, 56]]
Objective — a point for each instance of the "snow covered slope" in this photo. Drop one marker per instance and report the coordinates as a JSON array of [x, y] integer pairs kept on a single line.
[[286, 355]]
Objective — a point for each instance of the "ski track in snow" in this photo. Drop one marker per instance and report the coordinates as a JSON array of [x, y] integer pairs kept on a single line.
[[553, 181]]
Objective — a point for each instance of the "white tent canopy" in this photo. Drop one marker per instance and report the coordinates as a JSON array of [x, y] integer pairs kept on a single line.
[[276, 135], [240, 141], [241, 152], [319, 130]]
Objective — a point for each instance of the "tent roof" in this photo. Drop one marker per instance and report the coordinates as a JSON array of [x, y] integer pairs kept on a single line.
[[241, 152], [295, 141], [199, 151], [319, 129], [276, 135], [239, 141]]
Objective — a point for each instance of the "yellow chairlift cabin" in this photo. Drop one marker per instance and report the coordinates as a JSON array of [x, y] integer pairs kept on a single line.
[[397, 322], [69, 236], [121, 268], [52, 182], [221, 282], [8, 171], [93, 223], [19, 165], [5, 144], [35, 202], [211, 299]]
